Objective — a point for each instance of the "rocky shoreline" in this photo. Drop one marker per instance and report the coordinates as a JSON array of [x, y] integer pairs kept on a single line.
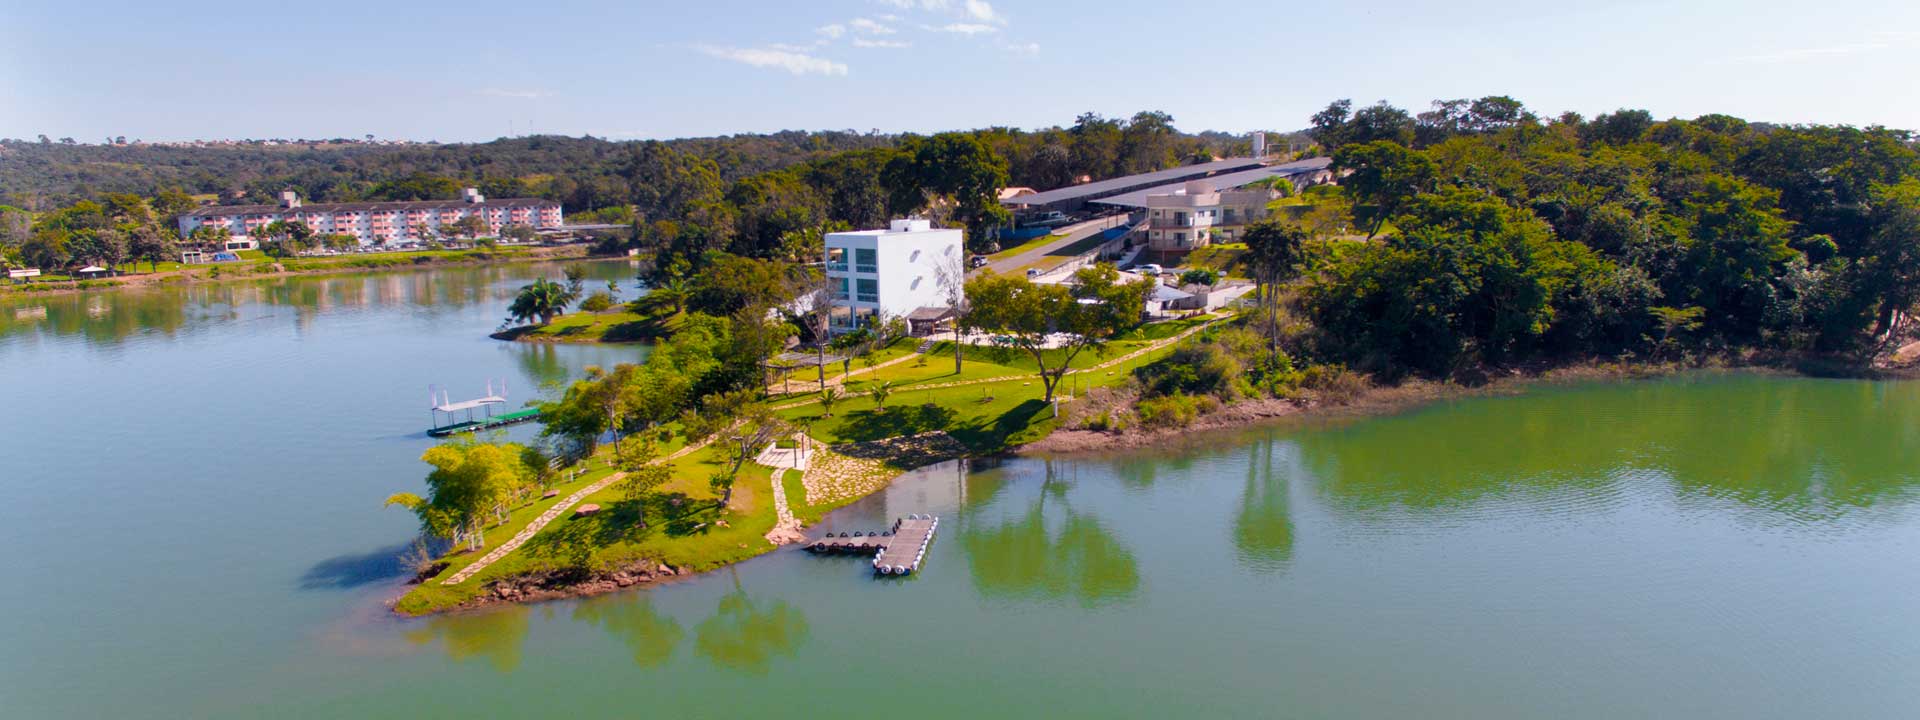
[[567, 583]]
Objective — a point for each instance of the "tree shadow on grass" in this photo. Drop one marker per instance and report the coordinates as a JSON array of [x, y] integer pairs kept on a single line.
[[354, 570], [575, 540], [1007, 429], [865, 425]]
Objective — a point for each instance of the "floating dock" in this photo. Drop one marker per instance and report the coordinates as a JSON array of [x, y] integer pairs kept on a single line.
[[503, 420], [898, 551]]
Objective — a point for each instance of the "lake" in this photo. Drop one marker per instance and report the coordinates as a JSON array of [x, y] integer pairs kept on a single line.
[[193, 528]]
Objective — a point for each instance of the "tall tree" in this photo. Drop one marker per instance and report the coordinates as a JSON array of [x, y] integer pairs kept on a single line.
[[1050, 322]]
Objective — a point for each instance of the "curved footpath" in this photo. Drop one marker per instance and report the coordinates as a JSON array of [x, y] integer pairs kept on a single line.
[[565, 504]]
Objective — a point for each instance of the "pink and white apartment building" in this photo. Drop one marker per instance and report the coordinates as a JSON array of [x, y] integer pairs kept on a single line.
[[377, 223]]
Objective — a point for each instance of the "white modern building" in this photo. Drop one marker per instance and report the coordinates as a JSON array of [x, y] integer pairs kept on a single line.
[[375, 223], [901, 272]]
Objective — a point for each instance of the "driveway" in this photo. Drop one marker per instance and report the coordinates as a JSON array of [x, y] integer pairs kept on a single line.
[[1075, 233]]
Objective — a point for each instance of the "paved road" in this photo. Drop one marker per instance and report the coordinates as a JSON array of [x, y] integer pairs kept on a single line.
[[1075, 233]]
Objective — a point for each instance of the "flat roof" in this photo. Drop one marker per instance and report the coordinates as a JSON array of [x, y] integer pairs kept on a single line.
[[1122, 184], [1228, 181]]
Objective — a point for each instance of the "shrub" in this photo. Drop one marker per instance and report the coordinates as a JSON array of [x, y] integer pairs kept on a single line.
[[1174, 411], [596, 302], [1334, 383]]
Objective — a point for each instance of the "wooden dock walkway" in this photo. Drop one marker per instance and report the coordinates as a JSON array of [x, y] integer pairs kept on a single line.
[[898, 551]]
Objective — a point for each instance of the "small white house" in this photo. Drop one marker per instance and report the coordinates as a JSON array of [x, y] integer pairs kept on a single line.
[[897, 272]]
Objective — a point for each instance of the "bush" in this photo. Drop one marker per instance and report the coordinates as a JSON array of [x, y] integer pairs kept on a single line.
[[1199, 276], [1334, 383], [597, 302], [1174, 411]]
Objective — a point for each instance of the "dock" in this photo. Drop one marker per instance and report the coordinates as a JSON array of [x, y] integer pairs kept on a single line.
[[898, 551], [513, 418]]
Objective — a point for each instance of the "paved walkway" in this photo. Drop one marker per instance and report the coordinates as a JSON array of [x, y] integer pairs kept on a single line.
[[565, 504], [1074, 234], [795, 385]]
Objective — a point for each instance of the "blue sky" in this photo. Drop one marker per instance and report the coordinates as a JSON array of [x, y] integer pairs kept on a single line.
[[481, 69]]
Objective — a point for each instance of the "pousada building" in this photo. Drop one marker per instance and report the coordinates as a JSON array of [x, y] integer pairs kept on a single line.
[[377, 223], [899, 272]]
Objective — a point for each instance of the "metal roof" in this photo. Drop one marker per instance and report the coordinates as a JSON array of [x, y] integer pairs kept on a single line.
[[1227, 181], [1122, 184]]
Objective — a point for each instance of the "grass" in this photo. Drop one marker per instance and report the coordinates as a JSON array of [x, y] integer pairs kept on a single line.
[[681, 529], [613, 326], [1028, 246]]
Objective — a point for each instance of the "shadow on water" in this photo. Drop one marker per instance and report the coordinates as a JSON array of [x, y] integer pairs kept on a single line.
[[354, 570]]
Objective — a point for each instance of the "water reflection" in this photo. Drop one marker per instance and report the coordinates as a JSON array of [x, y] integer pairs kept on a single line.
[[1263, 523], [747, 633], [648, 634], [1023, 559], [495, 635], [1799, 452], [111, 316]]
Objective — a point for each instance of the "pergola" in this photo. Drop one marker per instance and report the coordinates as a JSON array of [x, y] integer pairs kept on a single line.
[[787, 362]]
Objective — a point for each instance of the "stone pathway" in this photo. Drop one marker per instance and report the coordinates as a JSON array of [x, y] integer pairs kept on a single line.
[[541, 522]]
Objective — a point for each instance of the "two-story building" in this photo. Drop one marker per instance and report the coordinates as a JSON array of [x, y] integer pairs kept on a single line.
[[899, 272], [1196, 215]]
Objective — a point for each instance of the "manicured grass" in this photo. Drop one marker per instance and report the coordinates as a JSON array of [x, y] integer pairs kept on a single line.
[[1027, 246], [620, 325], [681, 529], [987, 418]]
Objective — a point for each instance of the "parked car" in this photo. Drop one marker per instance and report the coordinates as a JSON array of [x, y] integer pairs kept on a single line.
[[978, 261], [1033, 272], [1149, 269], [1052, 218]]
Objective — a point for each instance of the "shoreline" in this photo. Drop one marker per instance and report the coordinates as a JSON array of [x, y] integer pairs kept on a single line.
[[1377, 400], [179, 278]]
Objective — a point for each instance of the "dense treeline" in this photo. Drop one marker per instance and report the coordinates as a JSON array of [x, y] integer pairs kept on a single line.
[[763, 196], [1506, 238]]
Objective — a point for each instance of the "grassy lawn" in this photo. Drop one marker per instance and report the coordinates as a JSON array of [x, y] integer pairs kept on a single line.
[[1027, 246], [681, 529], [613, 326]]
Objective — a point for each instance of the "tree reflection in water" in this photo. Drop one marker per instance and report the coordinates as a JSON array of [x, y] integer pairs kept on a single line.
[[650, 635], [746, 634], [495, 635], [1263, 526], [1022, 559]]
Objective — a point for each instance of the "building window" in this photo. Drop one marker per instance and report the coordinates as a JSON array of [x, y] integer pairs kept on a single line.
[[837, 259], [867, 289], [1180, 238], [1229, 216], [863, 260]]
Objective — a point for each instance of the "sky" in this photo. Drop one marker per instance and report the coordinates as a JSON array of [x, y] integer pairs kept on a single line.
[[482, 69]]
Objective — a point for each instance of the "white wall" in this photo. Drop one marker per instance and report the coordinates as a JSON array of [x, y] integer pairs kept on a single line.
[[907, 266]]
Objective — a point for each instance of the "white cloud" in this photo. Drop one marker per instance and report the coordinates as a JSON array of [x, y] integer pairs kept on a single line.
[[792, 62], [1031, 49], [865, 43], [967, 28], [832, 31], [516, 94], [863, 25], [983, 11]]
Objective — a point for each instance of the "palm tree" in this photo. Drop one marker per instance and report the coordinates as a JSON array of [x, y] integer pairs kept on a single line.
[[672, 291], [543, 300], [880, 393], [828, 396]]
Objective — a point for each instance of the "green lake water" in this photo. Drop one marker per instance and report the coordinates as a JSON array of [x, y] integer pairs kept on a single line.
[[192, 527]]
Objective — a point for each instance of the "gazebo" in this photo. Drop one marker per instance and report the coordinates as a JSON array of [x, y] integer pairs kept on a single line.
[[925, 321]]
